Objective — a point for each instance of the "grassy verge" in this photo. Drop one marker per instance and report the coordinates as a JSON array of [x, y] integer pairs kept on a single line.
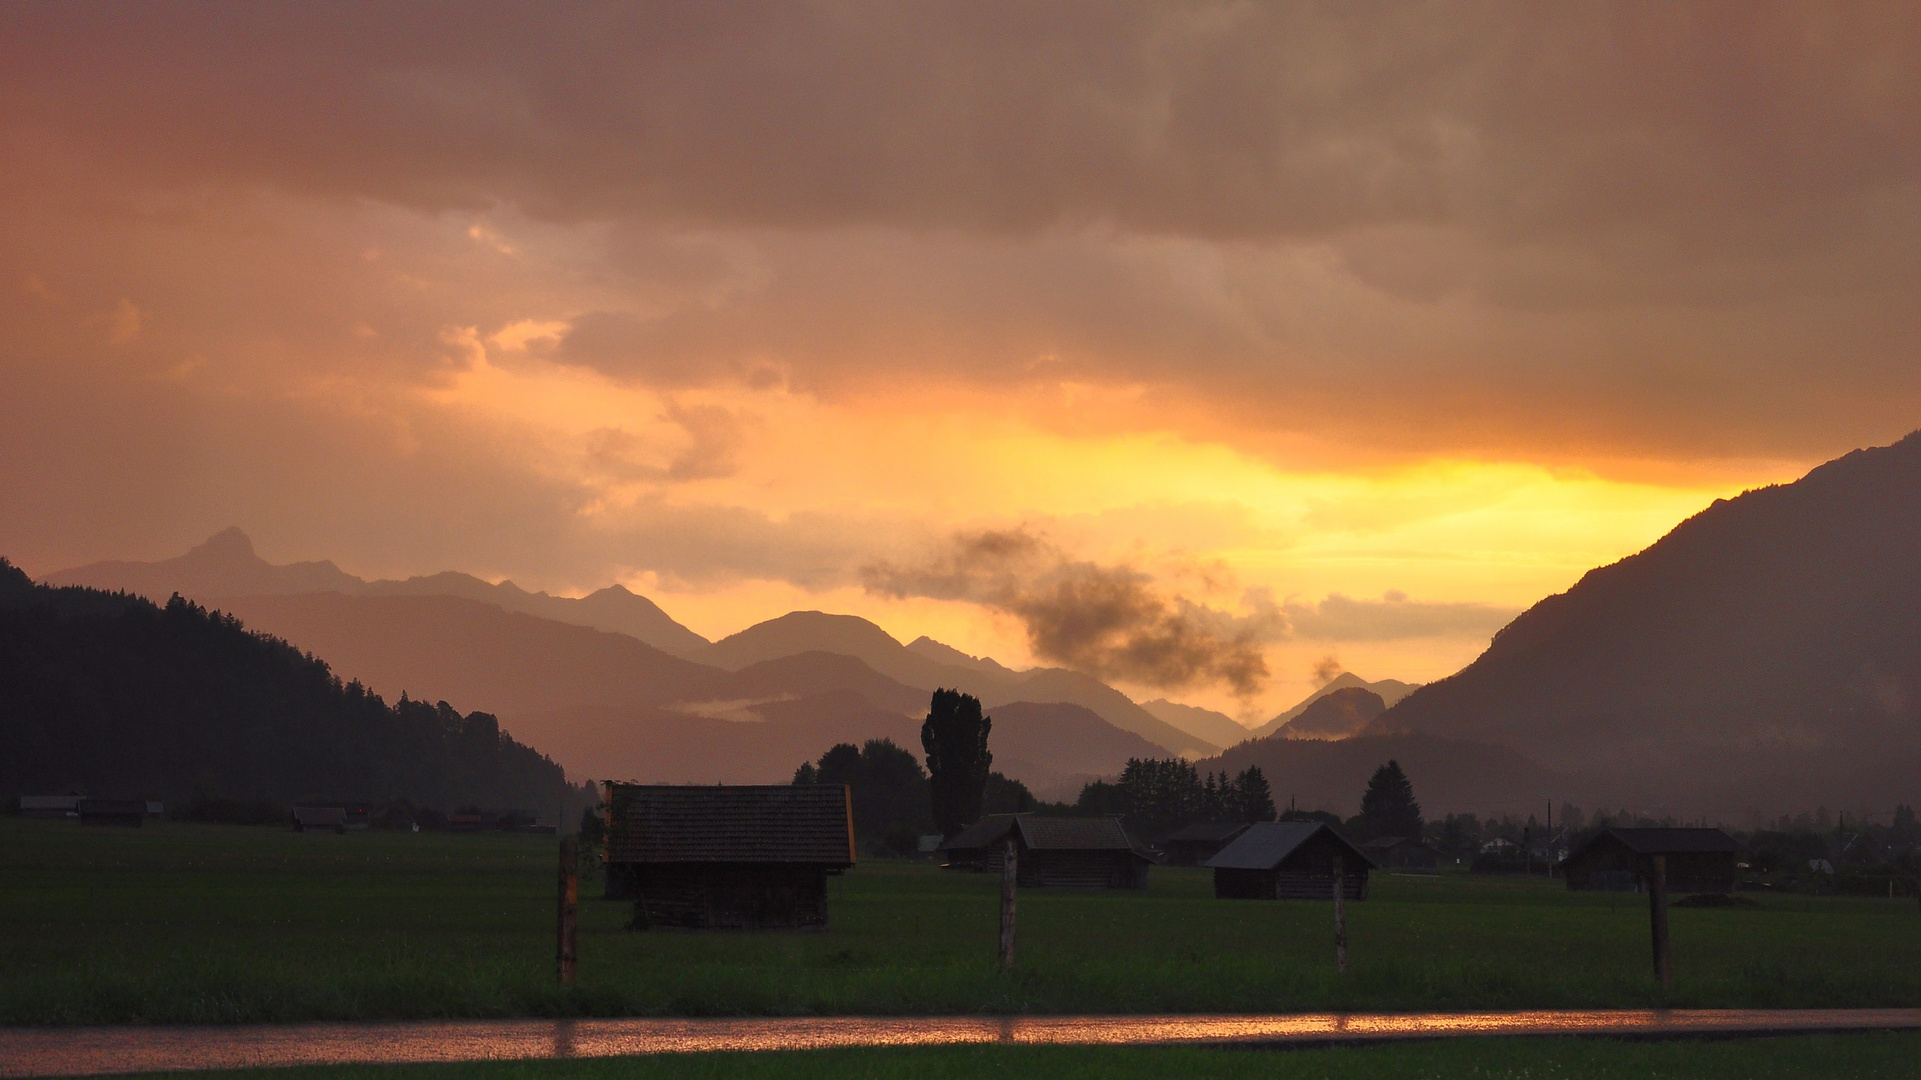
[[199, 923], [1885, 1057]]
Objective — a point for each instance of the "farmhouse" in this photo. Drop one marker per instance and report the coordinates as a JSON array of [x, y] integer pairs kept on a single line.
[[1200, 841], [50, 806], [1090, 852], [1289, 860], [1401, 853], [728, 858], [1697, 860], [127, 812], [320, 819]]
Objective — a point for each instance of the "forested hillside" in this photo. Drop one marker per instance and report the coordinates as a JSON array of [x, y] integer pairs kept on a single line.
[[110, 694]]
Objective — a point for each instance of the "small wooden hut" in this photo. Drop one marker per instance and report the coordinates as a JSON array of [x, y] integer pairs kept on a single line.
[[1085, 852], [1200, 841], [1401, 853], [1698, 860], [129, 813], [729, 858], [331, 819], [1289, 860]]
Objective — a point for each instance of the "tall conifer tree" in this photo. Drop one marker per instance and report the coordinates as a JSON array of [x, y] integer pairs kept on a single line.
[[955, 739]]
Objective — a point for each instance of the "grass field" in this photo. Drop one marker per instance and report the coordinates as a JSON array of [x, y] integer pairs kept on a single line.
[[1883, 1057], [202, 923]]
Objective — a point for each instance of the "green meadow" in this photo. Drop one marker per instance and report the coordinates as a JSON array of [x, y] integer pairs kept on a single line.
[[176, 923]]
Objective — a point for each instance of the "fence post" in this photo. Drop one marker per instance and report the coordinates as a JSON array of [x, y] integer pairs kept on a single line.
[[569, 906], [1658, 918], [1340, 916], [1010, 857]]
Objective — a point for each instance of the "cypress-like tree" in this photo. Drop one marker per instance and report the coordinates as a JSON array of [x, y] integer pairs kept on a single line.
[[1388, 808], [955, 739]]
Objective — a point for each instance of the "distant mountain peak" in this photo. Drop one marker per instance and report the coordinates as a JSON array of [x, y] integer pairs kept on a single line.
[[229, 543]]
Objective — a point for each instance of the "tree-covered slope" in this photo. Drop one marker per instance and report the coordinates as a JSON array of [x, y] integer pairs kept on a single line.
[[110, 694]]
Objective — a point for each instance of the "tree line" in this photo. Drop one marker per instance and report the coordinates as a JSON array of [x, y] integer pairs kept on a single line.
[[109, 694]]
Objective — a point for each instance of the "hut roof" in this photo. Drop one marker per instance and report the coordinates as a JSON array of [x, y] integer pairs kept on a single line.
[[773, 823], [1667, 841], [1046, 833], [1209, 832], [1266, 844]]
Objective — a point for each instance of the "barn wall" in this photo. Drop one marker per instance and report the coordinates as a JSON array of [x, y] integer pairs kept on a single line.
[[699, 896]]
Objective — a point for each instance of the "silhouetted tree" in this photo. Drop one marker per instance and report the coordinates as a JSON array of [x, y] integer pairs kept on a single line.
[[889, 790], [1005, 795], [1253, 800], [954, 736], [1388, 808]]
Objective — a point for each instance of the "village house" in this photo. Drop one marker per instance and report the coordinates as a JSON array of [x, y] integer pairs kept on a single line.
[[1087, 852], [1200, 841], [728, 858], [320, 819], [1401, 853], [1697, 860], [1289, 860]]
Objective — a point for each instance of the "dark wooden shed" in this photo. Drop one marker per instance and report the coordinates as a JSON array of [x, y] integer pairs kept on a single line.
[[1401, 853], [1084, 852], [331, 819], [1289, 860], [729, 858], [126, 812], [1698, 860], [1200, 841]]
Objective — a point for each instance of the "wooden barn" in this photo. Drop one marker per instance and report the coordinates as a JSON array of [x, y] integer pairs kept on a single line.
[[1200, 841], [1090, 852], [320, 819], [124, 812], [729, 858], [1698, 860], [1289, 860], [1401, 853]]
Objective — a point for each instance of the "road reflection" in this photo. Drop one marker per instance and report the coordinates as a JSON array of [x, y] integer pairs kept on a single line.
[[103, 1051]]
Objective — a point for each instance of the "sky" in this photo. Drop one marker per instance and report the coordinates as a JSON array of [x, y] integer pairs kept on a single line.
[[1190, 345]]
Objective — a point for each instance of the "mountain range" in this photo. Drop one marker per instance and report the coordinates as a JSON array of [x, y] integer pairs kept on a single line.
[[606, 702], [1764, 653]]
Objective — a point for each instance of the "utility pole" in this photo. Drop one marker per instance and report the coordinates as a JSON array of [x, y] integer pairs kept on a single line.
[[569, 906], [1010, 856], [1658, 918], [1340, 918]]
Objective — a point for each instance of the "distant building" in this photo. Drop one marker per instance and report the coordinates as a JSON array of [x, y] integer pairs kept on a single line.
[[320, 819], [50, 806], [126, 812], [1698, 860], [1401, 853], [728, 858], [1289, 860], [1200, 841], [1084, 852]]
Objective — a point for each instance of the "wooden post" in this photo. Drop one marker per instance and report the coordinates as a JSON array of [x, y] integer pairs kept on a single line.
[[1010, 858], [1340, 917], [1658, 918], [569, 906]]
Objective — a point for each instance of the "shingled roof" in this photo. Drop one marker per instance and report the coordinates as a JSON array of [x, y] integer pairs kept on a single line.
[[1266, 844], [1046, 833], [774, 823], [1661, 841]]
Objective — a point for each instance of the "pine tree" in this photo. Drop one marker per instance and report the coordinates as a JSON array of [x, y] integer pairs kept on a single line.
[[1388, 808], [1255, 800], [954, 737]]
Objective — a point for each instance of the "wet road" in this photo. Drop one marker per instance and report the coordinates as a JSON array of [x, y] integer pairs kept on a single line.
[[100, 1051]]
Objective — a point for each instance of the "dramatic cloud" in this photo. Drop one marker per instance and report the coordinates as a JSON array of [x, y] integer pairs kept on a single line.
[[1109, 621], [733, 301]]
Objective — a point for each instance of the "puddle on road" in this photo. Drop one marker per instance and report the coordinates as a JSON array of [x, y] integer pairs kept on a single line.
[[101, 1051]]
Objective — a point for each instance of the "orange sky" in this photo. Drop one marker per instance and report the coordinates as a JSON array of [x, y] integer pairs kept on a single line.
[[1164, 340]]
